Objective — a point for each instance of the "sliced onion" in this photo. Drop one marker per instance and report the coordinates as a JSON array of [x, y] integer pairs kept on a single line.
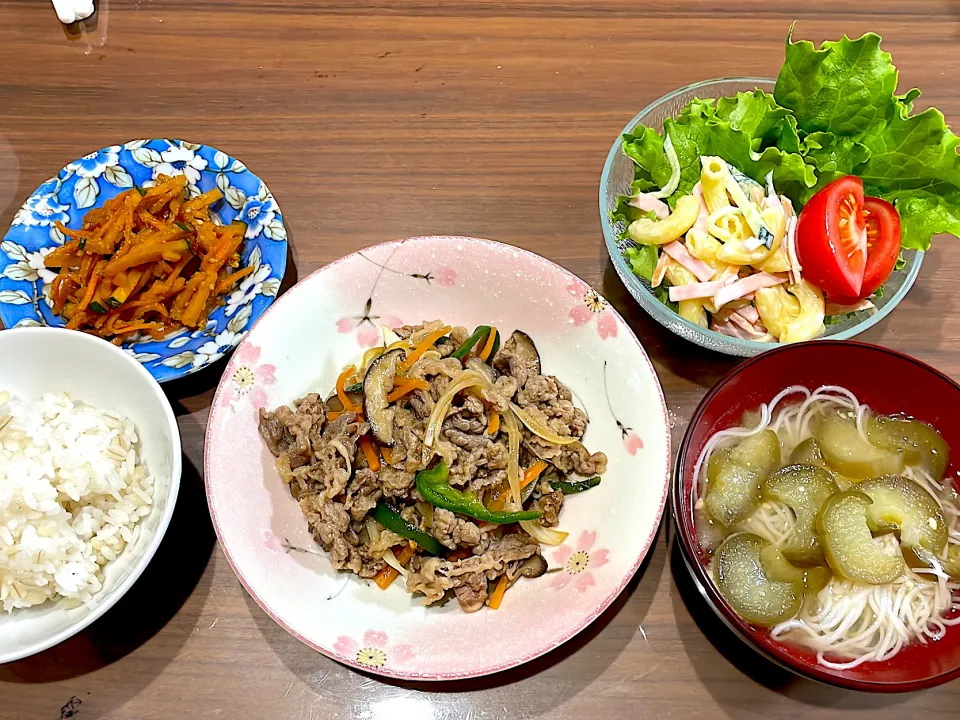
[[389, 336], [466, 379], [390, 559], [373, 530], [539, 429], [546, 536], [671, 187], [514, 436]]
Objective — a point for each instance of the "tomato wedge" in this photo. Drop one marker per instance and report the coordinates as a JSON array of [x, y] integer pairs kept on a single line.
[[883, 248], [832, 238]]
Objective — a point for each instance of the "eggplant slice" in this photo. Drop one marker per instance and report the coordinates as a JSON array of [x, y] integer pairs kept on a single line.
[[519, 348], [377, 384]]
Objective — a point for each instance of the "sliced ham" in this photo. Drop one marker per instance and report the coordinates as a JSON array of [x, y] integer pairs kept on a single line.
[[695, 291], [749, 312], [730, 330], [678, 252], [648, 203], [745, 286], [660, 270], [703, 219], [834, 309], [753, 329]]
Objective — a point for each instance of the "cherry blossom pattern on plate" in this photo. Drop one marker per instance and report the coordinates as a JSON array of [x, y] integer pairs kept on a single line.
[[86, 183], [590, 304], [577, 566], [632, 442], [373, 650], [251, 378], [367, 325]]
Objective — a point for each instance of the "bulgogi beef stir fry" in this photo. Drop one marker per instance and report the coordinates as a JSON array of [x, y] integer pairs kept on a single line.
[[414, 464]]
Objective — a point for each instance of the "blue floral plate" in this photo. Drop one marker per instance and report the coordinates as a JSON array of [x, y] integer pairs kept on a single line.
[[87, 183]]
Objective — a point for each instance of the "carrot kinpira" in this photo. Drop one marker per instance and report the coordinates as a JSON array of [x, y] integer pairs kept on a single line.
[[149, 260]]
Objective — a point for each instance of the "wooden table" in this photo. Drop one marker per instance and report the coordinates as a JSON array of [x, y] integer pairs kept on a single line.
[[380, 119]]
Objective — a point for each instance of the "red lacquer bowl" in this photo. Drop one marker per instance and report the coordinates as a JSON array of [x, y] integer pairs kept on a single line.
[[889, 382]]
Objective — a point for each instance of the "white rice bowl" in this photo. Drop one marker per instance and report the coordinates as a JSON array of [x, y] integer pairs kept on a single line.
[[81, 461], [72, 494]]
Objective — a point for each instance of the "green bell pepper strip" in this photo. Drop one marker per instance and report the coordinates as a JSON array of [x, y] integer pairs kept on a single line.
[[461, 352], [435, 489], [571, 488], [393, 521]]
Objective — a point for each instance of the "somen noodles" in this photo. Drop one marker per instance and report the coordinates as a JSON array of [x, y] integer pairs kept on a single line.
[[831, 525]]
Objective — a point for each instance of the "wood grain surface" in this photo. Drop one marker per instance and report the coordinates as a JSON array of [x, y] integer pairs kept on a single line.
[[380, 119]]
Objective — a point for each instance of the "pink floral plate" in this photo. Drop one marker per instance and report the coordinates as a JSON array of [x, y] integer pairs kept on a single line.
[[324, 323]]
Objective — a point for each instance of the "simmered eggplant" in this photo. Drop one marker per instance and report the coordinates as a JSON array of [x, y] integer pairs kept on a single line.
[[518, 348], [849, 454], [900, 504], [919, 443], [777, 567], [742, 580], [377, 385], [734, 477], [804, 489], [847, 543]]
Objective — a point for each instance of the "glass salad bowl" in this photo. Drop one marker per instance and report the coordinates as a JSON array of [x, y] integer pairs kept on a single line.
[[615, 181]]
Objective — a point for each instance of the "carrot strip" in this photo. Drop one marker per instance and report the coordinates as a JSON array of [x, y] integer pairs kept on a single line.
[[497, 597], [532, 473], [427, 343], [191, 314], [488, 346], [385, 577], [94, 281], [230, 280], [347, 403], [493, 426], [333, 415], [387, 455], [405, 387], [459, 554], [172, 251], [499, 500], [370, 453]]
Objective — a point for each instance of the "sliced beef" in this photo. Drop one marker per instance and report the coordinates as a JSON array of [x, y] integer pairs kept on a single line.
[[452, 532], [568, 458], [550, 505]]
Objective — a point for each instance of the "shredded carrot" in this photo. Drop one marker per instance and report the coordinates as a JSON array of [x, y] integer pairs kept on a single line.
[[406, 386], [494, 424], [334, 415], [499, 500], [497, 597], [427, 343], [386, 575], [347, 403], [488, 346], [387, 455], [130, 253], [532, 473], [230, 280], [370, 453], [459, 554]]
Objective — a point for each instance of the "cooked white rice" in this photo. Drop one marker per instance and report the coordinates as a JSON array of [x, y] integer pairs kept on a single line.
[[72, 493]]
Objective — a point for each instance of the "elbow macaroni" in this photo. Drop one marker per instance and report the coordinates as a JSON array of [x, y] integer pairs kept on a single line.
[[661, 232], [713, 181]]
